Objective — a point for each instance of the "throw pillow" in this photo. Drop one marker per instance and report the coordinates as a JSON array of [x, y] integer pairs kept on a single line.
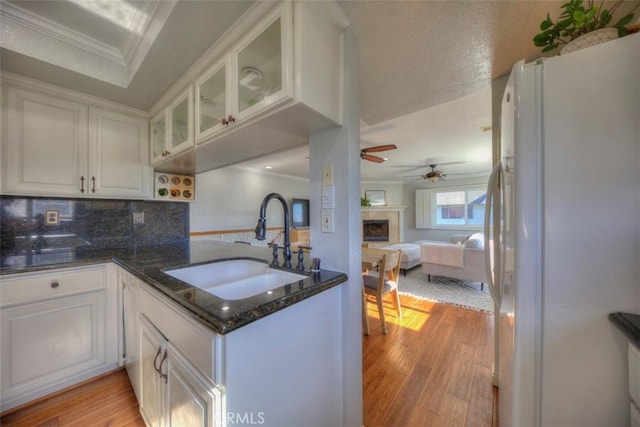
[[475, 241]]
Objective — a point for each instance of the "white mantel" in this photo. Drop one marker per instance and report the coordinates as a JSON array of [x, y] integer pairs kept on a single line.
[[395, 215]]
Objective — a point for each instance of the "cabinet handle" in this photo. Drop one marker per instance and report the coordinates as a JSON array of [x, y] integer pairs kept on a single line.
[[155, 359], [224, 121], [82, 184], [55, 284], [231, 119], [163, 375], [93, 183]]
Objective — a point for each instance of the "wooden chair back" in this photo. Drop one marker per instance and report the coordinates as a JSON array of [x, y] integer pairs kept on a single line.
[[390, 266]]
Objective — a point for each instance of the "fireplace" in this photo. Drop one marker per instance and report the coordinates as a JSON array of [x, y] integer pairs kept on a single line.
[[375, 230]]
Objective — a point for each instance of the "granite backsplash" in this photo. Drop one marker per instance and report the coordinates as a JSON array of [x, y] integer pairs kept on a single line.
[[88, 224]]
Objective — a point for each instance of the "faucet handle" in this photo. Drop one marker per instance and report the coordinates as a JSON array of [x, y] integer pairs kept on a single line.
[[300, 265], [274, 261]]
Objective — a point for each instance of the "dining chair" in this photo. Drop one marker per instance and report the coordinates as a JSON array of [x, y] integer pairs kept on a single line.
[[377, 286]]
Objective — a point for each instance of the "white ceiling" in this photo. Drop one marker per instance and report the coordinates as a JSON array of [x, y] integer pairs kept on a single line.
[[425, 66]]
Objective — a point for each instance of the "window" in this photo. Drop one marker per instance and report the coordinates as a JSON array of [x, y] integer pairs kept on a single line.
[[453, 208], [459, 208]]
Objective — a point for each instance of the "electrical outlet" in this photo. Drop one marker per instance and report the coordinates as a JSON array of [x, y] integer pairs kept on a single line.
[[138, 217]]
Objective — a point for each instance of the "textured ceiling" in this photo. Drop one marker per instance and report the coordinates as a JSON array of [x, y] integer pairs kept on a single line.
[[417, 54]]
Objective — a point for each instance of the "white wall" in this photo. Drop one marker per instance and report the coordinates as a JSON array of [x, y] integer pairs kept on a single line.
[[340, 250], [393, 191], [411, 233], [229, 198]]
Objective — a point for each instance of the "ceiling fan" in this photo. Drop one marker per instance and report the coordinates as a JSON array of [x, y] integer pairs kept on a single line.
[[364, 153], [434, 175]]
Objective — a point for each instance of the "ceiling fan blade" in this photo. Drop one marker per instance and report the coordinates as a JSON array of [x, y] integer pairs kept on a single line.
[[378, 148], [371, 158]]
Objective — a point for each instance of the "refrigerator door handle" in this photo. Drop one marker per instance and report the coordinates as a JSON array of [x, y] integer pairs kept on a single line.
[[492, 189]]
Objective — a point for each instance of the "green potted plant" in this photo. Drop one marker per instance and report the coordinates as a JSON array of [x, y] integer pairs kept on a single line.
[[579, 18], [364, 201]]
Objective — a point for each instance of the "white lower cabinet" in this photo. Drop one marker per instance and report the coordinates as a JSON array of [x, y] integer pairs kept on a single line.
[[58, 328], [152, 359], [129, 287], [173, 391]]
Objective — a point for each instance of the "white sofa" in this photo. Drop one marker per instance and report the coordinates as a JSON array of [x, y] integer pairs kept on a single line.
[[471, 268], [410, 256]]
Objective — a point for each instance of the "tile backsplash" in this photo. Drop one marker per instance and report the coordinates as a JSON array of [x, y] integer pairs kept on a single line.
[[29, 223]]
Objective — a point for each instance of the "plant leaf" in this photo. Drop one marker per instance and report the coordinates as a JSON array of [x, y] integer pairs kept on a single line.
[[546, 24], [624, 21]]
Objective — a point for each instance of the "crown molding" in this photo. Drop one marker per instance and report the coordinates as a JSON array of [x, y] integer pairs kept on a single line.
[[28, 83], [32, 35]]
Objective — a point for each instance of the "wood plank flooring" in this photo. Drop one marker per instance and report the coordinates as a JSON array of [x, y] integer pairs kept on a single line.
[[107, 401], [432, 369]]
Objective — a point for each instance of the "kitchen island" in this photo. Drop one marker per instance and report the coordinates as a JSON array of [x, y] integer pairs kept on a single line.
[[272, 358], [149, 262]]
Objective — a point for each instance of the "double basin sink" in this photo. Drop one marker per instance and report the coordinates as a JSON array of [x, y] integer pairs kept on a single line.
[[235, 279]]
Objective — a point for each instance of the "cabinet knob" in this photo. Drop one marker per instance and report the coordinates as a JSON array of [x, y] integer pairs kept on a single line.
[[224, 121], [231, 119], [55, 284]]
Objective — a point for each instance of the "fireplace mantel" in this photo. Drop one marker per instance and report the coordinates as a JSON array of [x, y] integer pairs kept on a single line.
[[395, 215], [383, 208]]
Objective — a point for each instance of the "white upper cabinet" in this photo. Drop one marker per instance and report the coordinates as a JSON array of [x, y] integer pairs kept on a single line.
[[172, 128], [212, 101], [273, 80], [118, 155], [58, 145], [45, 144], [263, 65], [255, 75]]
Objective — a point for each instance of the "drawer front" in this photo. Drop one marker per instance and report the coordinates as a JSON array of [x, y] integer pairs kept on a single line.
[[196, 342], [50, 284]]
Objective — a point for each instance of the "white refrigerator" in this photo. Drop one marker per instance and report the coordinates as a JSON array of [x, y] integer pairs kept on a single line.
[[565, 230]]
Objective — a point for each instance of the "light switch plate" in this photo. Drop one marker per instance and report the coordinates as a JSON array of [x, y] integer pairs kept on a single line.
[[328, 197], [327, 220], [327, 174]]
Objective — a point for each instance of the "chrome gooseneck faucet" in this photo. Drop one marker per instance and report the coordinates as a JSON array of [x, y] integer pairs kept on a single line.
[[261, 228]]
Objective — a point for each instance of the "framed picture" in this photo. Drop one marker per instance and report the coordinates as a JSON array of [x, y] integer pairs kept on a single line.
[[376, 197]]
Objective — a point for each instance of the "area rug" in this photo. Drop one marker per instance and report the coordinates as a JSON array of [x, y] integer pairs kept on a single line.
[[445, 290]]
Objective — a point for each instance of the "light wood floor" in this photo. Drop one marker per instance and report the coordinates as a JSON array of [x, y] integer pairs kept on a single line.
[[433, 368], [107, 401]]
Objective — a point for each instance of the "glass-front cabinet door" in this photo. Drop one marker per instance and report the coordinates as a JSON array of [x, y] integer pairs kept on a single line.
[[263, 65], [212, 101], [181, 117], [159, 137]]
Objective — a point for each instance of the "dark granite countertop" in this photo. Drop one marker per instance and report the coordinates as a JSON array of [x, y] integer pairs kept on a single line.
[[629, 324], [149, 262]]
